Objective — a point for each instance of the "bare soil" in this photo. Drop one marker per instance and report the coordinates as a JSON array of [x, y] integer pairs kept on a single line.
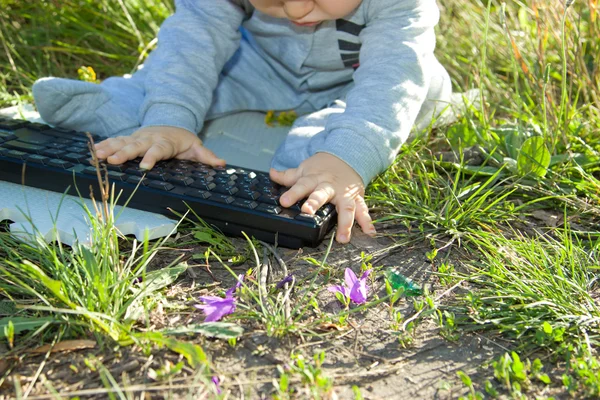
[[366, 353]]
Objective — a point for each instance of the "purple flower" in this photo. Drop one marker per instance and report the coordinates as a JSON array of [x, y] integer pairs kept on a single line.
[[215, 380], [355, 288], [216, 308], [287, 279]]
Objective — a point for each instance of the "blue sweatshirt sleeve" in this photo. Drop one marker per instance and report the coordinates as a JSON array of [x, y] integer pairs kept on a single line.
[[183, 71], [390, 85]]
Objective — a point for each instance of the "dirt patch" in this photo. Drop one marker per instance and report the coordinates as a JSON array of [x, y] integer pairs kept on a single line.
[[367, 352]]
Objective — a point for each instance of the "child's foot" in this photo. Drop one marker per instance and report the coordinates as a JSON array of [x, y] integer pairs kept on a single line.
[[69, 103], [459, 105], [81, 106]]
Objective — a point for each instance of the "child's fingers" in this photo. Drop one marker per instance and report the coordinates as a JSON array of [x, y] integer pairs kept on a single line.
[[302, 188], [206, 156], [322, 194], [134, 148], [110, 146], [285, 178], [345, 209], [160, 150], [363, 218]]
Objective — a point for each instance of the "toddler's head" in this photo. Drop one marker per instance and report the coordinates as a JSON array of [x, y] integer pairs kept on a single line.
[[306, 12]]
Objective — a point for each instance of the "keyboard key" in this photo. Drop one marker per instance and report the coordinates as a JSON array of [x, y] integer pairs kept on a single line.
[[249, 204], [269, 208], [222, 198], [4, 136], [60, 163], [325, 210], [203, 194], [52, 152], [159, 176], [57, 146], [90, 171], [12, 124], [136, 171], [308, 218], [18, 145], [17, 154], [203, 186], [38, 127], [36, 158], [32, 137], [162, 185], [225, 189], [117, 176], [136, 179], [205, 178], [269, 199], [248, 194], [74, 157], [181, 180], [116, 167], [70, 135]]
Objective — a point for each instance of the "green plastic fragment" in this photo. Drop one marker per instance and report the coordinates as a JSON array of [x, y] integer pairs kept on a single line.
[[399, 281]]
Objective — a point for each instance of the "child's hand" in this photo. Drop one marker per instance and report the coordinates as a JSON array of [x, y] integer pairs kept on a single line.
[[155, 143], [324, 178]]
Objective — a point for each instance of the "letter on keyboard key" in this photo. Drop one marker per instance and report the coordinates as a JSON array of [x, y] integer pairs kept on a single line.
[[226, 189], [248, 194], [222, 198], [249, 204], [203, 194], [269, 199], [203, 186]]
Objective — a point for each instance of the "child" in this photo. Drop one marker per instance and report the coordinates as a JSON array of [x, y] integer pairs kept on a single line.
[[360, 72]]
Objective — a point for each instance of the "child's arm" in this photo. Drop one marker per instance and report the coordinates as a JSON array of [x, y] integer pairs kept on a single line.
[[391, 84], [193, 46]]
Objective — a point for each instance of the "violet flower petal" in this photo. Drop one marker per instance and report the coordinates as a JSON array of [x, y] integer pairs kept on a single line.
[[358, 293], [285, 280], [366, 274], [339, 288], [350, 278], [238, 285], [216, 307], [215, 380]]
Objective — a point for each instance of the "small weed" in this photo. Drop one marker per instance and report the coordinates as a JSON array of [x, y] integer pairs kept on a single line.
[[582, 379], [515, 376], [303, 378], [466, 380]]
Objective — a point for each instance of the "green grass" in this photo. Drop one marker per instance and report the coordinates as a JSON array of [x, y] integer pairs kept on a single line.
[[536, 133]]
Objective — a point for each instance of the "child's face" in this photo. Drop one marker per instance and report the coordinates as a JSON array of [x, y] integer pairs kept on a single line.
[[306, 12]]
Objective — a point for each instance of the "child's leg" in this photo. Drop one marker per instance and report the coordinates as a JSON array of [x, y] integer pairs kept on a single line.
[[308, 131], [107, 109], [438, 97]]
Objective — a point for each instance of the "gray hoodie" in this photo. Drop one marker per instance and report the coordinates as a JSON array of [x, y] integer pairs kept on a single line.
[[377, 59]]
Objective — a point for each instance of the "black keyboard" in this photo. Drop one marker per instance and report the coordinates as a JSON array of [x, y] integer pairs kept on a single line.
[[233, 199]]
